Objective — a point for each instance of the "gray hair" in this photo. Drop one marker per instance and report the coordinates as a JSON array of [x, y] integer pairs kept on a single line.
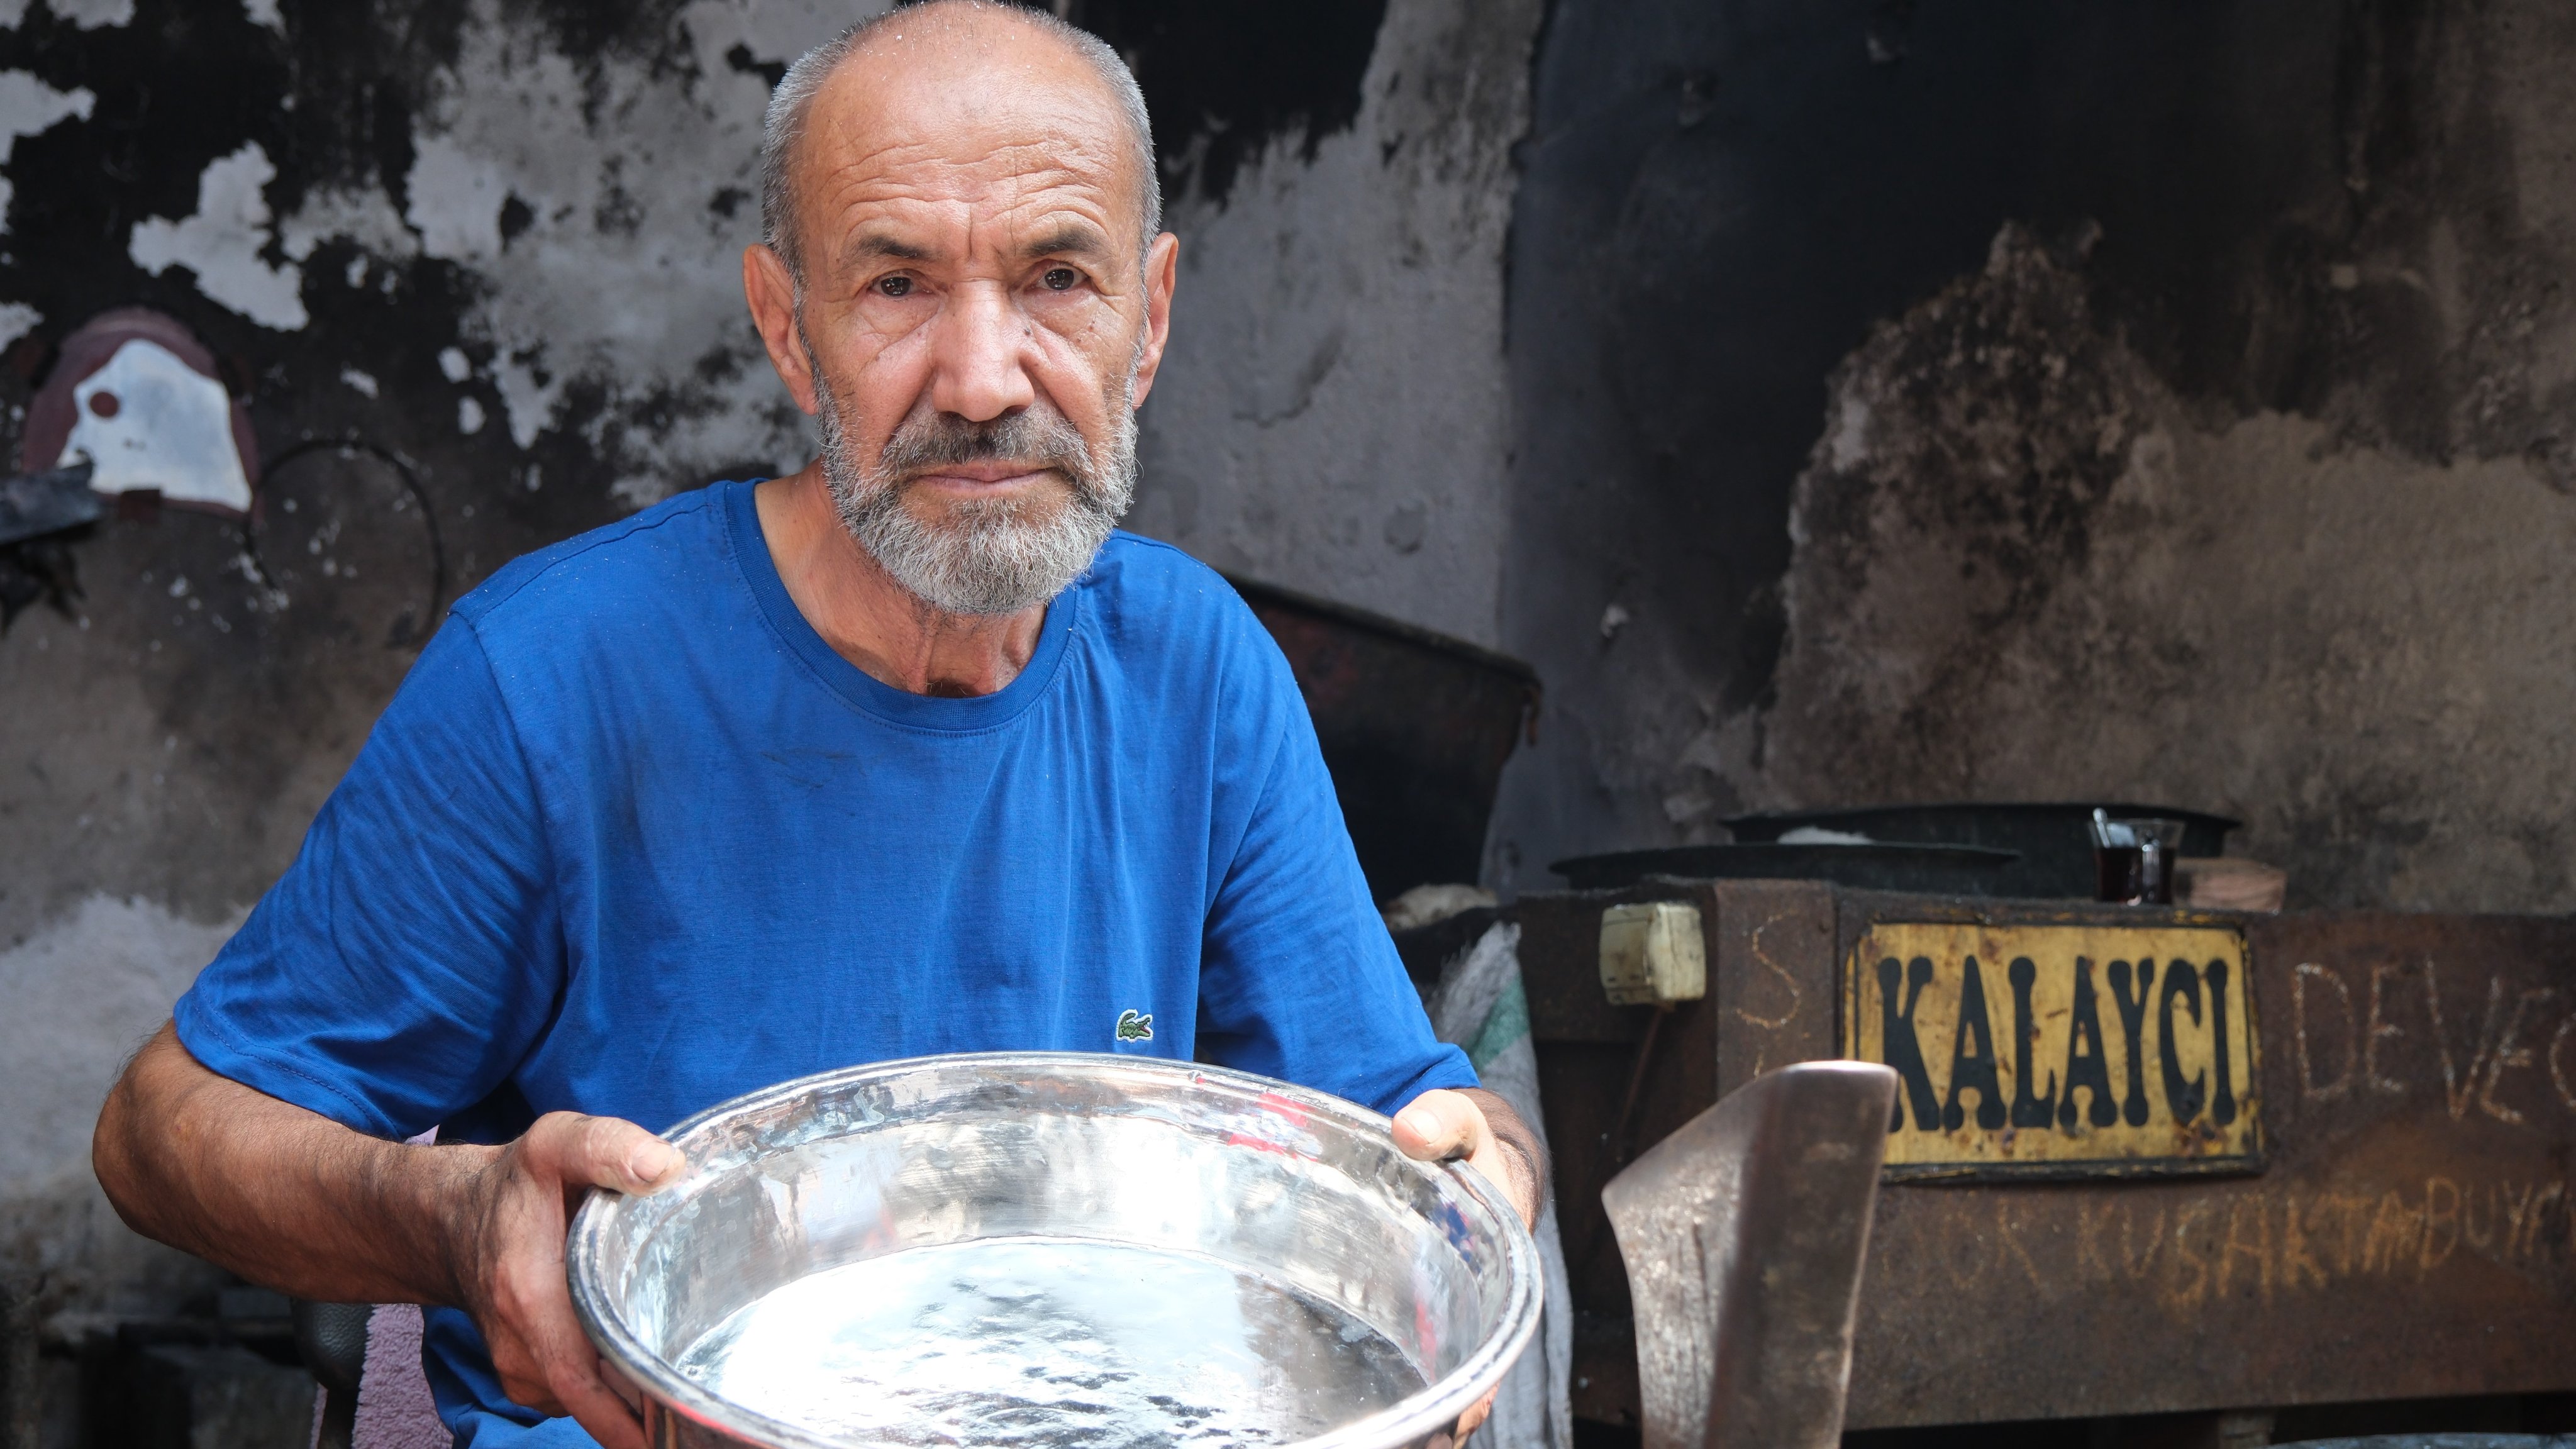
[[793, 100]]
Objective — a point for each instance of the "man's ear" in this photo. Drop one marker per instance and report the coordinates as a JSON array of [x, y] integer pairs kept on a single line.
[[771, 291], [1162, 274]]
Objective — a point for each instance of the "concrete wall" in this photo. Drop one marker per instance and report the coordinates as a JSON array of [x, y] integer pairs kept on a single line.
[[499, 240], [1332, 416]]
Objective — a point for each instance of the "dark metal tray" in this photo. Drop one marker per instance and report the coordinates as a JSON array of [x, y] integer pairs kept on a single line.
[[2053, 838], [1965, 870]]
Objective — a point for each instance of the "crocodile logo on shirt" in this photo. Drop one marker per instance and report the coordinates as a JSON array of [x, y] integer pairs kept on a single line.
[[1135, 1027]]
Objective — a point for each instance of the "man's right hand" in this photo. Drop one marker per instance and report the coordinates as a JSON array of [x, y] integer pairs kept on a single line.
[[507, 1260], [292, 1200]]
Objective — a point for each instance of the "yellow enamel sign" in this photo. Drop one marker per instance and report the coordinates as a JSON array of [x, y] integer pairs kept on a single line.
[[2059, 1050]]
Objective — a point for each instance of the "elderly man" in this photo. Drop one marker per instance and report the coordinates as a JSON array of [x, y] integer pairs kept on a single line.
[[907, 753]]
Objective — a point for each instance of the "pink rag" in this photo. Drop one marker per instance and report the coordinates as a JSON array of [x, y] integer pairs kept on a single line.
[[395, 1410]]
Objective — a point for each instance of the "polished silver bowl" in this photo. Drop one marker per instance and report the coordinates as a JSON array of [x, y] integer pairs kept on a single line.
[[1288, 1186]]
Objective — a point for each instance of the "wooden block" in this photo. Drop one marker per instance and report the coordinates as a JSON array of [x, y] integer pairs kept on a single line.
[[2229, 884]]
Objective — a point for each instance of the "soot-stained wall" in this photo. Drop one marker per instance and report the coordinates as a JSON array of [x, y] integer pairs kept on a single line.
[[1836, 400], [1924, 401], [495, 243]]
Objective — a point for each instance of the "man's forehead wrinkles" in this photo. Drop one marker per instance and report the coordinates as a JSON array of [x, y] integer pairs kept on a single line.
[[933, 216], [920, 166], [918, 161], [936, 186], [902, 141]]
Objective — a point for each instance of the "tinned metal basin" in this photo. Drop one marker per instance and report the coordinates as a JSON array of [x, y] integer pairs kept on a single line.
[[1284, 1185]]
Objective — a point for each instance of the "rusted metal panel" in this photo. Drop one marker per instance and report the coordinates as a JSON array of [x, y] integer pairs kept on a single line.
[[2410, 1234], [1561, 971], [2059, 1049], [1590, 1053], [1773, 941]]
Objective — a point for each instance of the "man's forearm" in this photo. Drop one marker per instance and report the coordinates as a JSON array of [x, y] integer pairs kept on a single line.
[[307, 1206], [282, 1196]]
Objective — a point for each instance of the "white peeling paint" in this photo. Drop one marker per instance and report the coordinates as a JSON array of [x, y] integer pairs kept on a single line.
[[11, 12], [17, 319], [772, 30], [94, 14], [28, 107], [172, 430], [264, 12], [359, 382], [456, 200], [469, 416], [454, 365], [529, 402], [361, 215], [629, 275], [221, 243], [83, 993]]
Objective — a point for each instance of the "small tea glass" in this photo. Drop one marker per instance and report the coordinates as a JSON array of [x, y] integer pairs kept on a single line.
[[2133, 860]]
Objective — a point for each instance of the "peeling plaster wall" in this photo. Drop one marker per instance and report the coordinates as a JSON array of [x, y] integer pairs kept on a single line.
[[496, 243], [102, 977], [2026, 567], [1333, 412], [2026, 401]]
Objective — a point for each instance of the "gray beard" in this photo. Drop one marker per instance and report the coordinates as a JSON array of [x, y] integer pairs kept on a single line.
[[987, 556]]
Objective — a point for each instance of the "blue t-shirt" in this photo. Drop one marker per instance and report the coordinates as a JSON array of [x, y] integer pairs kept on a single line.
[[631, 840]]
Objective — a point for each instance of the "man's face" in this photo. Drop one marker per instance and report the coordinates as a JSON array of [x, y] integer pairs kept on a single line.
[[975, 326]]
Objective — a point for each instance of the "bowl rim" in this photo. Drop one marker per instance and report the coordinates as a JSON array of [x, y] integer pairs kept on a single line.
[[1433, 1409]]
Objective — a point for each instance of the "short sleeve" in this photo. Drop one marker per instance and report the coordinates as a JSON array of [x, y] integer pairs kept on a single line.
[[1299, 979], [400, 969]]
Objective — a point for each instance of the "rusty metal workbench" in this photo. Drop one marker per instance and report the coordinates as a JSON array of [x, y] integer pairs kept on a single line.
[[2401, 1226]]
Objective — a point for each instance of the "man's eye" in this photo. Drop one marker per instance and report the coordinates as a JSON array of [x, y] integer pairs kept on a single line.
[[1060, 279], [895, 286]]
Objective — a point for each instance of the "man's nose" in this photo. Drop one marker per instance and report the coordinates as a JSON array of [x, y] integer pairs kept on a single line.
[[980, 354]]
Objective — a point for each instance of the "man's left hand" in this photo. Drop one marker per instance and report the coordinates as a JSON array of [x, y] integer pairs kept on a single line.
[[1474, 1124], [1481, 1129]]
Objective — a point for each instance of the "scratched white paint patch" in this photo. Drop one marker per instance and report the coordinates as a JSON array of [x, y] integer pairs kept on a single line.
[[83, 993], [11, 12], [772, 30], [264, 12], [17, 319], [361, 214], [29, 107], [94, 14], [222, 242], [168, 427], [456, 200], [528, 393], [630, 192]]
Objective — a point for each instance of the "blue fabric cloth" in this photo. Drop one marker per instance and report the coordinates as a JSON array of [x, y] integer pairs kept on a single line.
[[632, 840]]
